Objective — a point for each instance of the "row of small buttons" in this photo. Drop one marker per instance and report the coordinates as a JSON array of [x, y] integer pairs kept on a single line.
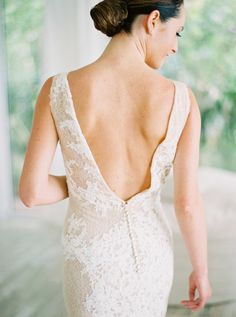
[[125, 205]]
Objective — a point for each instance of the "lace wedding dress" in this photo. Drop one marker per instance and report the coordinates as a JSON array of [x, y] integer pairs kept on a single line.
[[117, 255]]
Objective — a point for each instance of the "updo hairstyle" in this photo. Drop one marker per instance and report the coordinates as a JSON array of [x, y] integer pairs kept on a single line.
[[112, 16]]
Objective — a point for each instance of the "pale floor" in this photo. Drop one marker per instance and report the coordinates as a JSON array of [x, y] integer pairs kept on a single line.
[[30, 271]]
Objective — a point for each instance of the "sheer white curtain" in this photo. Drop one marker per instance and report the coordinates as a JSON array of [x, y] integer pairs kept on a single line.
[[69, 38], [6, 187], [69, 41]]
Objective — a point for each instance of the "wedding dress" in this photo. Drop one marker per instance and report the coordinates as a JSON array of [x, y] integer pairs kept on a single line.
[[117, 254]]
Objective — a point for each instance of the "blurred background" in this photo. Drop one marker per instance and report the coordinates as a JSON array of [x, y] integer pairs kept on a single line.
[[39, 39]]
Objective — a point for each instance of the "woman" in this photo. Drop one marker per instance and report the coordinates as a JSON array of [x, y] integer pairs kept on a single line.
[[121, 127]]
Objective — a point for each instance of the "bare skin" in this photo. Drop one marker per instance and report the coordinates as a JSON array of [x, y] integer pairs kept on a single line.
[[123, 108], [119, 124]]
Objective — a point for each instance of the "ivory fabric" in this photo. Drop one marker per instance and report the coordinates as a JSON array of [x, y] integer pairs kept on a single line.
[[117, 255]]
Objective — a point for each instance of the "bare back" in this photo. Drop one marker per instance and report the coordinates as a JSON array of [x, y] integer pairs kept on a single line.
[[124, 117]]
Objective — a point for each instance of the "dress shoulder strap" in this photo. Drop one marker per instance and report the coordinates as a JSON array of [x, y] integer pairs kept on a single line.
[[61, 109], [182, 108], [58, 96]]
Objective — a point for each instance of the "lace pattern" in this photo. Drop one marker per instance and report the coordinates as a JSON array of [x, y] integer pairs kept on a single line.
[[118, 256]]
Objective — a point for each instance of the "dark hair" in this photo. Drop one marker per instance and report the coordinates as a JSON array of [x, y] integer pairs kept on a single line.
[[113, 16]]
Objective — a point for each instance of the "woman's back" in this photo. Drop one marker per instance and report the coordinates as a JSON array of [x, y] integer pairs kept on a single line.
[[123, 116]]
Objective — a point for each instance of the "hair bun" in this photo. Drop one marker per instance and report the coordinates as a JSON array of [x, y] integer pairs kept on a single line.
[[109, 16]]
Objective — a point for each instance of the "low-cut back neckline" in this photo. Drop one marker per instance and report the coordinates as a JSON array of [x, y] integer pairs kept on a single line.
[[91, 156]]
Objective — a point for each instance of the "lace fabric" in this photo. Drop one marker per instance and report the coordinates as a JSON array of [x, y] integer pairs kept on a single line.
[[118, 255]]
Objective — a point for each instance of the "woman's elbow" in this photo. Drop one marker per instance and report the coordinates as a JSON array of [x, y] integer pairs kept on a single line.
[[26, 197], [187, 205]]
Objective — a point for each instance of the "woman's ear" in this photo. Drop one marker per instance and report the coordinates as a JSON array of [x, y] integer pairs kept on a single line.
[[153, 20]]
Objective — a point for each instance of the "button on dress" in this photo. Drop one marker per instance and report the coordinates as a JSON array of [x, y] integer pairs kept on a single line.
[[117, 254]]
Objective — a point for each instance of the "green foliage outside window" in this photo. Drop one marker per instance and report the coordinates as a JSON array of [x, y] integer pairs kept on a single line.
[[206, 62], [23, 22]]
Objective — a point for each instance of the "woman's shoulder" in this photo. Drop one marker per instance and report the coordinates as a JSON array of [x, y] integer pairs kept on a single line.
[[184, 85], [185, 89], [167, 85], [176, 81]]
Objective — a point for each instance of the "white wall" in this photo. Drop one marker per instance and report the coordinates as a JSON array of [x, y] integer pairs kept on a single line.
[[69, 38]]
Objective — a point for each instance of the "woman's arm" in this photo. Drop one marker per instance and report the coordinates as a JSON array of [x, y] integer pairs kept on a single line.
[[188, 203], [187, 200], [55, 190], [36, 186]]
